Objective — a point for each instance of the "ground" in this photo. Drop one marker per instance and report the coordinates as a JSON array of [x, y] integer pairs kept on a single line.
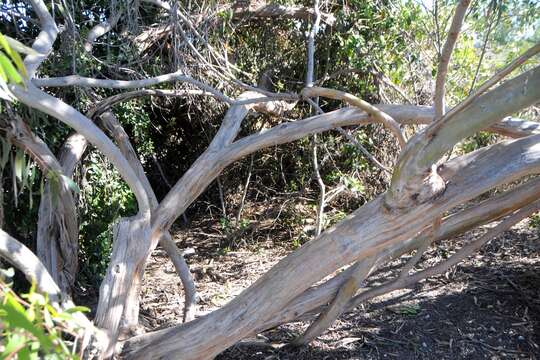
[[488, 307]]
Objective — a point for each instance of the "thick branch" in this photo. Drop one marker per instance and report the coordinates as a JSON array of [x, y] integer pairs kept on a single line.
[[490, 210], [23, 259], [426, 148], [100, 30], [57, 229], [44, 41], [356, 237], [493, 80], [37, 99], [466, 251], [118, 133]]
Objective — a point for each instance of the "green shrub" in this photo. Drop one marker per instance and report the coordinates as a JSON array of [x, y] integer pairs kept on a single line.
[[31, 328]]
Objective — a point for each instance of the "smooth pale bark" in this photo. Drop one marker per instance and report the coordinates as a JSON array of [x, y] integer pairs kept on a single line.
[[116, 130], [23, 259], [314, 299], [206, 168], [427, 147], [358, 236], [501, 74], [373, 111], [76, 80], [444, 60], [136, 241], [44, 41], [100, 30], [515, 128], [39, 100], [466, 251], [347, 290]]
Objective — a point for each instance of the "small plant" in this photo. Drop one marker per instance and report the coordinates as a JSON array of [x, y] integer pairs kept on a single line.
[[225, 225], [31, 328], [534, 222]]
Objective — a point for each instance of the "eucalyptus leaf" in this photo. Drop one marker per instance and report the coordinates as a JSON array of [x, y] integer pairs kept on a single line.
[[11, 71]]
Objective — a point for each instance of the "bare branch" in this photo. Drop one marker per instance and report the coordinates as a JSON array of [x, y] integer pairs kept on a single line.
[[493, 81], [44, 41], [466, 251], [118, 133], [444, 60], [23, 259], [326, 318], [485, 212], [100, 30], [264, 10], [358, 236], [426, 148], [377, 114], [50, 105], [57, 230], [76, 80]]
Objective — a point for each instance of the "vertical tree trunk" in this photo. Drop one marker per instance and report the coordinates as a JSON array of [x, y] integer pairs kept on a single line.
[[58, 228]]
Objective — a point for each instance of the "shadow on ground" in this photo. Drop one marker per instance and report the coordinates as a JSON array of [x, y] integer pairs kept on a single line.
[[486, 308]]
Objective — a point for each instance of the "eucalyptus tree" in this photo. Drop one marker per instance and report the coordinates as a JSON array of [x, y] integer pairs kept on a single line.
[[411, 215]]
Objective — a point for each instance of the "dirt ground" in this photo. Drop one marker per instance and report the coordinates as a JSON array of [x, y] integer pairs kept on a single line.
[[486, 308]]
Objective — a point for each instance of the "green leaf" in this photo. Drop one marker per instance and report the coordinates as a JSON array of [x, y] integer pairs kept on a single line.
[[70, 183], [20, 47], [77, 309], [10, 70], [14, 55], [3, 74], [19, 164], [17, 318], [54, 186], [14, 343]]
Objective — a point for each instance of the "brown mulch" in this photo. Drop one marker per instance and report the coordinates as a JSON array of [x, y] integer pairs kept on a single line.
[[488, 307]]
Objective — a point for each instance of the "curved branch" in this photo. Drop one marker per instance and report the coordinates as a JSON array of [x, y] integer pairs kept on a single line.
[[314, 299], [37, 99], [493, 81], [358, 236], [23, 259], [426, 148], [57, 229], [118, 133], [44, 41], [100, 30], [377, 114], [76, 80], [466, 251], [515, 128], [442, 68]]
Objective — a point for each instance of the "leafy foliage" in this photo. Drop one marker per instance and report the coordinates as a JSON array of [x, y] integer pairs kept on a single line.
[[31, 327]]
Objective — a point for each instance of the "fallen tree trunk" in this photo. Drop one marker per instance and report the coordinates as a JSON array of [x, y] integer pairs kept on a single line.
[[356, 237]]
